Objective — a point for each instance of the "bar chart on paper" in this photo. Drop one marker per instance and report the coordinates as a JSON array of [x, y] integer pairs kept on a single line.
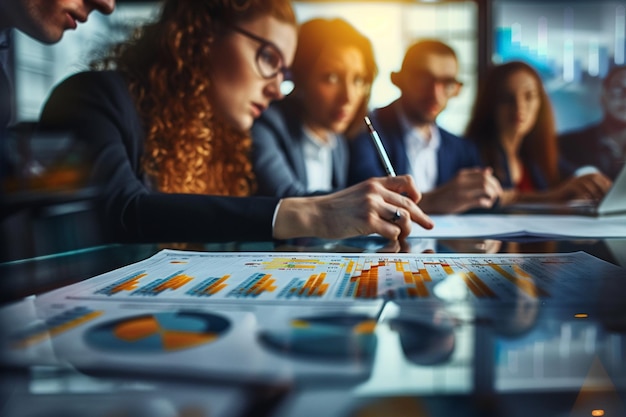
[[318, 277]]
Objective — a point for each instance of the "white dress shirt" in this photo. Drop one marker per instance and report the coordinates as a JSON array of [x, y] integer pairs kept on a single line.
[[421, 152], [318, 160]]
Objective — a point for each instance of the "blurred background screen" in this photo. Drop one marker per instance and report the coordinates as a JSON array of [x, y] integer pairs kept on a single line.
[[573, 44]]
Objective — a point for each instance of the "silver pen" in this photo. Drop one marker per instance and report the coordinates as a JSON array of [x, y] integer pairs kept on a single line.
[[384, 158]]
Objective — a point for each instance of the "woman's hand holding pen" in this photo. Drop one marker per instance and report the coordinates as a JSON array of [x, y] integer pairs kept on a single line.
[[387, 206]]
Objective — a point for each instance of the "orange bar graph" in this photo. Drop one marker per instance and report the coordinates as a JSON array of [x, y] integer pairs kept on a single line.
[[373, 283], [214, 289], [129, 285], [447, 268], [357, 289], [422, 291], [367, 286], [525, 285], [217, 286], [425, 275], [361, 286], [476, 285], [316, 288], [480, 284], [472, 287], [528, 280], [174, 283], [54, 331], [262, 285], [322, 289], [265, 284], [308, 285]]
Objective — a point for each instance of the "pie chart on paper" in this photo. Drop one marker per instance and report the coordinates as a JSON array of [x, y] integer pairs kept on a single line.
[[158, 332], [325, 337]]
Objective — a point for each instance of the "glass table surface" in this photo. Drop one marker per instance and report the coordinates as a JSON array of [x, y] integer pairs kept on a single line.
[[527, 356]]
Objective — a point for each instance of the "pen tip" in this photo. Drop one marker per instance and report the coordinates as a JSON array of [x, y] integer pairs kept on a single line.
[[367, 121]]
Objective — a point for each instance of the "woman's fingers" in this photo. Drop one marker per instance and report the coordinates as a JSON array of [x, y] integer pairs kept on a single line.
[[398, 212], [386, 206], [405, 202], [402, 185]]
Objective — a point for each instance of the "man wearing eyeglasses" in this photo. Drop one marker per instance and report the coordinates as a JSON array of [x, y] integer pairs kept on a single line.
[[601, 145], [445, 167]]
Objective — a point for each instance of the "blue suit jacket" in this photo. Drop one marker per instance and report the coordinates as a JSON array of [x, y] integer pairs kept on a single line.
[[454, 153], [278, 154]]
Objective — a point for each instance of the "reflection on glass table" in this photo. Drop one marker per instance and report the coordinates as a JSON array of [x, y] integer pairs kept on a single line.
[[553, 347]]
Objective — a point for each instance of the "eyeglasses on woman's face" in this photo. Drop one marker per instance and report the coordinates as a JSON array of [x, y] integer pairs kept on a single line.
[[269, 59]]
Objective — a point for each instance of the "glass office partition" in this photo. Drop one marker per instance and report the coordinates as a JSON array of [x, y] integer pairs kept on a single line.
[[572, 44]]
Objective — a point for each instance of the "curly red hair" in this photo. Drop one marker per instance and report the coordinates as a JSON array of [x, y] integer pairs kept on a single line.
[[187, 149]]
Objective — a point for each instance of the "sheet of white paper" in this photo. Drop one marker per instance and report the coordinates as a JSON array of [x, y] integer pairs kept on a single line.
[[532, 225], [271, 316]]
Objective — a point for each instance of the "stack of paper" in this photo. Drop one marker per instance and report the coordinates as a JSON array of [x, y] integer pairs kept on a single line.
[[534, 225]]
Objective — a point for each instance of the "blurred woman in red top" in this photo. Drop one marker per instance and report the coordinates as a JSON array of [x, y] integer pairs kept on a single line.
[[513, 126]]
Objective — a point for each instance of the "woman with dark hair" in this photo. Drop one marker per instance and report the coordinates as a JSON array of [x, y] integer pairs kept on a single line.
[[513, 125], [299, 144], [166, 118]]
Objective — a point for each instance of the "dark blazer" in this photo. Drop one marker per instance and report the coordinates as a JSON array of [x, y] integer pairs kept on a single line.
[[98, 110], [537, 177], [278, 155], [454, 153], [588, 147]]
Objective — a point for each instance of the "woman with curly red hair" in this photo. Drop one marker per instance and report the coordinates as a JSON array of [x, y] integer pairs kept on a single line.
[[167, 115]]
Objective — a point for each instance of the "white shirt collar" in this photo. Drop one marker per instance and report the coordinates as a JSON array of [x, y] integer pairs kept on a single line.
[[311, 136], [411, 132], [421, 153], [318, 161]]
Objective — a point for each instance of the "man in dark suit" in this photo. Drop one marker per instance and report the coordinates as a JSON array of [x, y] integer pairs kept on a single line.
[[601, 145], [446, 168], [45, 21]]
